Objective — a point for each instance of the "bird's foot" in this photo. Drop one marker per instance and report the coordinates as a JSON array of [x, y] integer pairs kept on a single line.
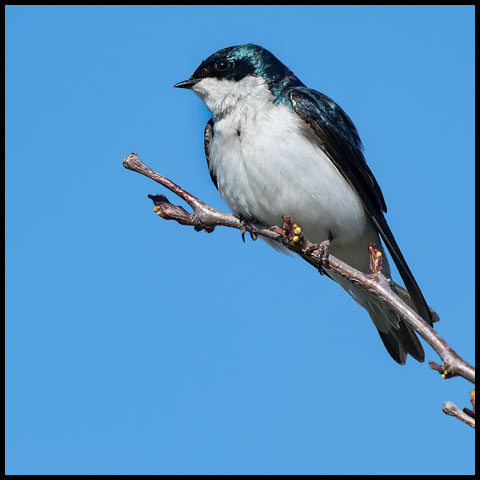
[[247, 227], [321, 252]]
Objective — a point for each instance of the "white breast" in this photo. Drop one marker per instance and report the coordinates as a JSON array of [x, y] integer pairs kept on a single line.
[[265, 167]]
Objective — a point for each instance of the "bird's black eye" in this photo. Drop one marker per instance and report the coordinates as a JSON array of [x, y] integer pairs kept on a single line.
[[223, 64]]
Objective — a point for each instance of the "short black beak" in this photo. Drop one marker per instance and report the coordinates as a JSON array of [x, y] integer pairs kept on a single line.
[[187, 83]]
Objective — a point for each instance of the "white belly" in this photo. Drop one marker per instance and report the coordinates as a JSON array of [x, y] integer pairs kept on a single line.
[[266, 168]]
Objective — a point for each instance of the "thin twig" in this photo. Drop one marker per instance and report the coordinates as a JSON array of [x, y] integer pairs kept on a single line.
[[451, 409]]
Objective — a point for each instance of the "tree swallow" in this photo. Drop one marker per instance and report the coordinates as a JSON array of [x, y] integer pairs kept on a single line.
[[276, 147]]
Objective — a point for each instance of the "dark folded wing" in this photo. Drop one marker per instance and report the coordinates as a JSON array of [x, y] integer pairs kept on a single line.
[[207, 140], [331, 128]]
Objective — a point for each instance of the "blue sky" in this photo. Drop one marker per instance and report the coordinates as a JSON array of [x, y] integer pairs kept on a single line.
[[137, 346]]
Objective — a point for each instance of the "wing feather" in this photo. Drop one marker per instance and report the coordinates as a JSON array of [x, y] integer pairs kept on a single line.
[[207, 141], [331, 128]]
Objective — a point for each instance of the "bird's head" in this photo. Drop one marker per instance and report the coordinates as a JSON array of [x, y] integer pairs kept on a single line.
[[233, 73]]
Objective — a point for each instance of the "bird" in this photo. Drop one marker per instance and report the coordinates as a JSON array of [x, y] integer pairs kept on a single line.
[[275, 147]]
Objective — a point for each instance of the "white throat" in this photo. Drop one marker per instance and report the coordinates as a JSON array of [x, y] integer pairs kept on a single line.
[[221, 96]]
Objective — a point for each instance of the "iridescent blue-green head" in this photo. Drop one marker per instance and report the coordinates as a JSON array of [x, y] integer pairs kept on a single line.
[[232, 73]]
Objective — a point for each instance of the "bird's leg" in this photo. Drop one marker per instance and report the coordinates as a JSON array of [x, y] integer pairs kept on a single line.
[[321, 251], [246, 227]]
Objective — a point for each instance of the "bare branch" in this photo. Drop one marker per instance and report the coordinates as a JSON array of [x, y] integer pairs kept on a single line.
[[206, 217], [451, 409]]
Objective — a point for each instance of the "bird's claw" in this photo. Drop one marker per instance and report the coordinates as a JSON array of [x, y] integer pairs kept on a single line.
[[321, 252], [247, 227]]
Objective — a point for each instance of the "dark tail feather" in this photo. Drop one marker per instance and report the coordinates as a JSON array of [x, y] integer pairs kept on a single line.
[[402, 341], [393, 347]]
